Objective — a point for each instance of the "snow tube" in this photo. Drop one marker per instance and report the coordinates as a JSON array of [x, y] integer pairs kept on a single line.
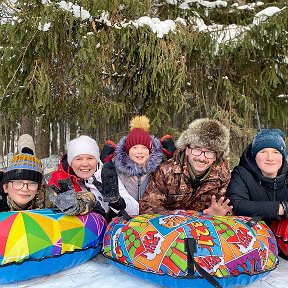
[[36, 243], [280, 229], [187, 249]]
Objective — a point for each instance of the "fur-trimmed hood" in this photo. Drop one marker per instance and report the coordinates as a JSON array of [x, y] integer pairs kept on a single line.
[[208, 133], [125, 165]]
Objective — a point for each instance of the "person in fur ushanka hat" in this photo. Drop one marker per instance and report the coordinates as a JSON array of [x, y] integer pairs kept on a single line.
[[197, 176], [136, 157]]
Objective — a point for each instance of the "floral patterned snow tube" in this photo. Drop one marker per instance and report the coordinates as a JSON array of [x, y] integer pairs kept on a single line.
[[187, 249], [35, 243]]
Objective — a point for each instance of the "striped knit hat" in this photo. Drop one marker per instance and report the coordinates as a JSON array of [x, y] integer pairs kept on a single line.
[[24, 166]]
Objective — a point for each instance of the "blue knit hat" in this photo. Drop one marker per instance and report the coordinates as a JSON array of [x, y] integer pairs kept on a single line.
[[24, 166], [269, 138]]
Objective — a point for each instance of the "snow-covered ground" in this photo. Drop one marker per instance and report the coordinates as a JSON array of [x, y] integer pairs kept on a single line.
[[100, 272]]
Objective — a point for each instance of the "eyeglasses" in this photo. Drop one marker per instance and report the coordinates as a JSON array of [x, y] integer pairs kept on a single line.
[[197, 152], [18, 185]]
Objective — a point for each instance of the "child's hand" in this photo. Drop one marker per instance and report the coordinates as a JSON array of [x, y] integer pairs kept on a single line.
[[107, 152], [168, 146]]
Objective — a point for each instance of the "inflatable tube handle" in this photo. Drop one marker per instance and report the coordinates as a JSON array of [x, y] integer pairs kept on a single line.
[[190, 248], [253, 221]]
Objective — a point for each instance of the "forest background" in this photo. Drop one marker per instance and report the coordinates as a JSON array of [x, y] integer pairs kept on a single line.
[[88, 67]]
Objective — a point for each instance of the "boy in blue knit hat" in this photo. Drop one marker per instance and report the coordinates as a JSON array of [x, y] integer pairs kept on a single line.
[[259, 184]]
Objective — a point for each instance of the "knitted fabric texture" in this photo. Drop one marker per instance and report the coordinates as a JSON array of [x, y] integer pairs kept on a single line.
[[269, 138], [82, 145], [26, 140], [139, 133], [24, 167]]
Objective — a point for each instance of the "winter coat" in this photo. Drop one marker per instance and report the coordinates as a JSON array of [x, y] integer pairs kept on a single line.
[[252, 194], [88, 195], [134, 177], [172, 187]]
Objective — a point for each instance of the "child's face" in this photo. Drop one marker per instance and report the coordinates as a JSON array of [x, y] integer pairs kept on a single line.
[[139, 154], [84, 165], [21, 191], [269, 161]]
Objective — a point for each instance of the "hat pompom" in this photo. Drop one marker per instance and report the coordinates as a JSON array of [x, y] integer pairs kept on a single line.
[[26, 141], [141, 122]]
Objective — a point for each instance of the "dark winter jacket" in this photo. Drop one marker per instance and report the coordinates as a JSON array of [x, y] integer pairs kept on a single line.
[[253, 194], [134, 177], [172, 187]]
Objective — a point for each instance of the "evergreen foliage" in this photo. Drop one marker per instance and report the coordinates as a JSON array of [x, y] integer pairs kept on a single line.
[[97, 76]]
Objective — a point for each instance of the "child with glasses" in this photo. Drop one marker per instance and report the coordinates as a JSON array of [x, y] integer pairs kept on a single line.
[[21, 185], [196, 178]]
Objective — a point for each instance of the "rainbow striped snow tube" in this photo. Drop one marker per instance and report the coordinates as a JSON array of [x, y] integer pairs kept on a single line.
[[187, 249], [36, 243]]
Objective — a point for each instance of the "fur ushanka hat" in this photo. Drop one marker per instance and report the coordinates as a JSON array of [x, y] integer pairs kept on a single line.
[[208, 133]]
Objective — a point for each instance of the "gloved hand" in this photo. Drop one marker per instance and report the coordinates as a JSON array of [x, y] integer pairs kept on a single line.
[[107, 152], [285, 208], [65, 198], [110, 189], [168, 146]]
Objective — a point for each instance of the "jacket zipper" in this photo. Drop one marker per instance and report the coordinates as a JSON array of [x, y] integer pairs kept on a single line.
[[138, 187]]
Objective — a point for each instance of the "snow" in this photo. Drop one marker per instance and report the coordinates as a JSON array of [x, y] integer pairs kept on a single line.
[[100, 272], [162, 28]]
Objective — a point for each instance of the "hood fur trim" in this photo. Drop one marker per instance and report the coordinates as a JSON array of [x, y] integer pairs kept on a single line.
[[208, 133], [125, 165]]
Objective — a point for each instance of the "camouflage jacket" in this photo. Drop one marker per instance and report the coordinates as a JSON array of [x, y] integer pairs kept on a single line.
[[172, 187]]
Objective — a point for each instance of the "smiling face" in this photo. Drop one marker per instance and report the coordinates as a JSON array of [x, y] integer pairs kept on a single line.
[[21, 196], [269, 161], [84, 165], [139, 154], [200, 163]]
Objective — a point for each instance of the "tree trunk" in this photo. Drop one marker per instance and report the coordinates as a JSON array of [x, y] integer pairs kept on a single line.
[[54, 143], [42, 139], [27, 126], [62, 139]]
